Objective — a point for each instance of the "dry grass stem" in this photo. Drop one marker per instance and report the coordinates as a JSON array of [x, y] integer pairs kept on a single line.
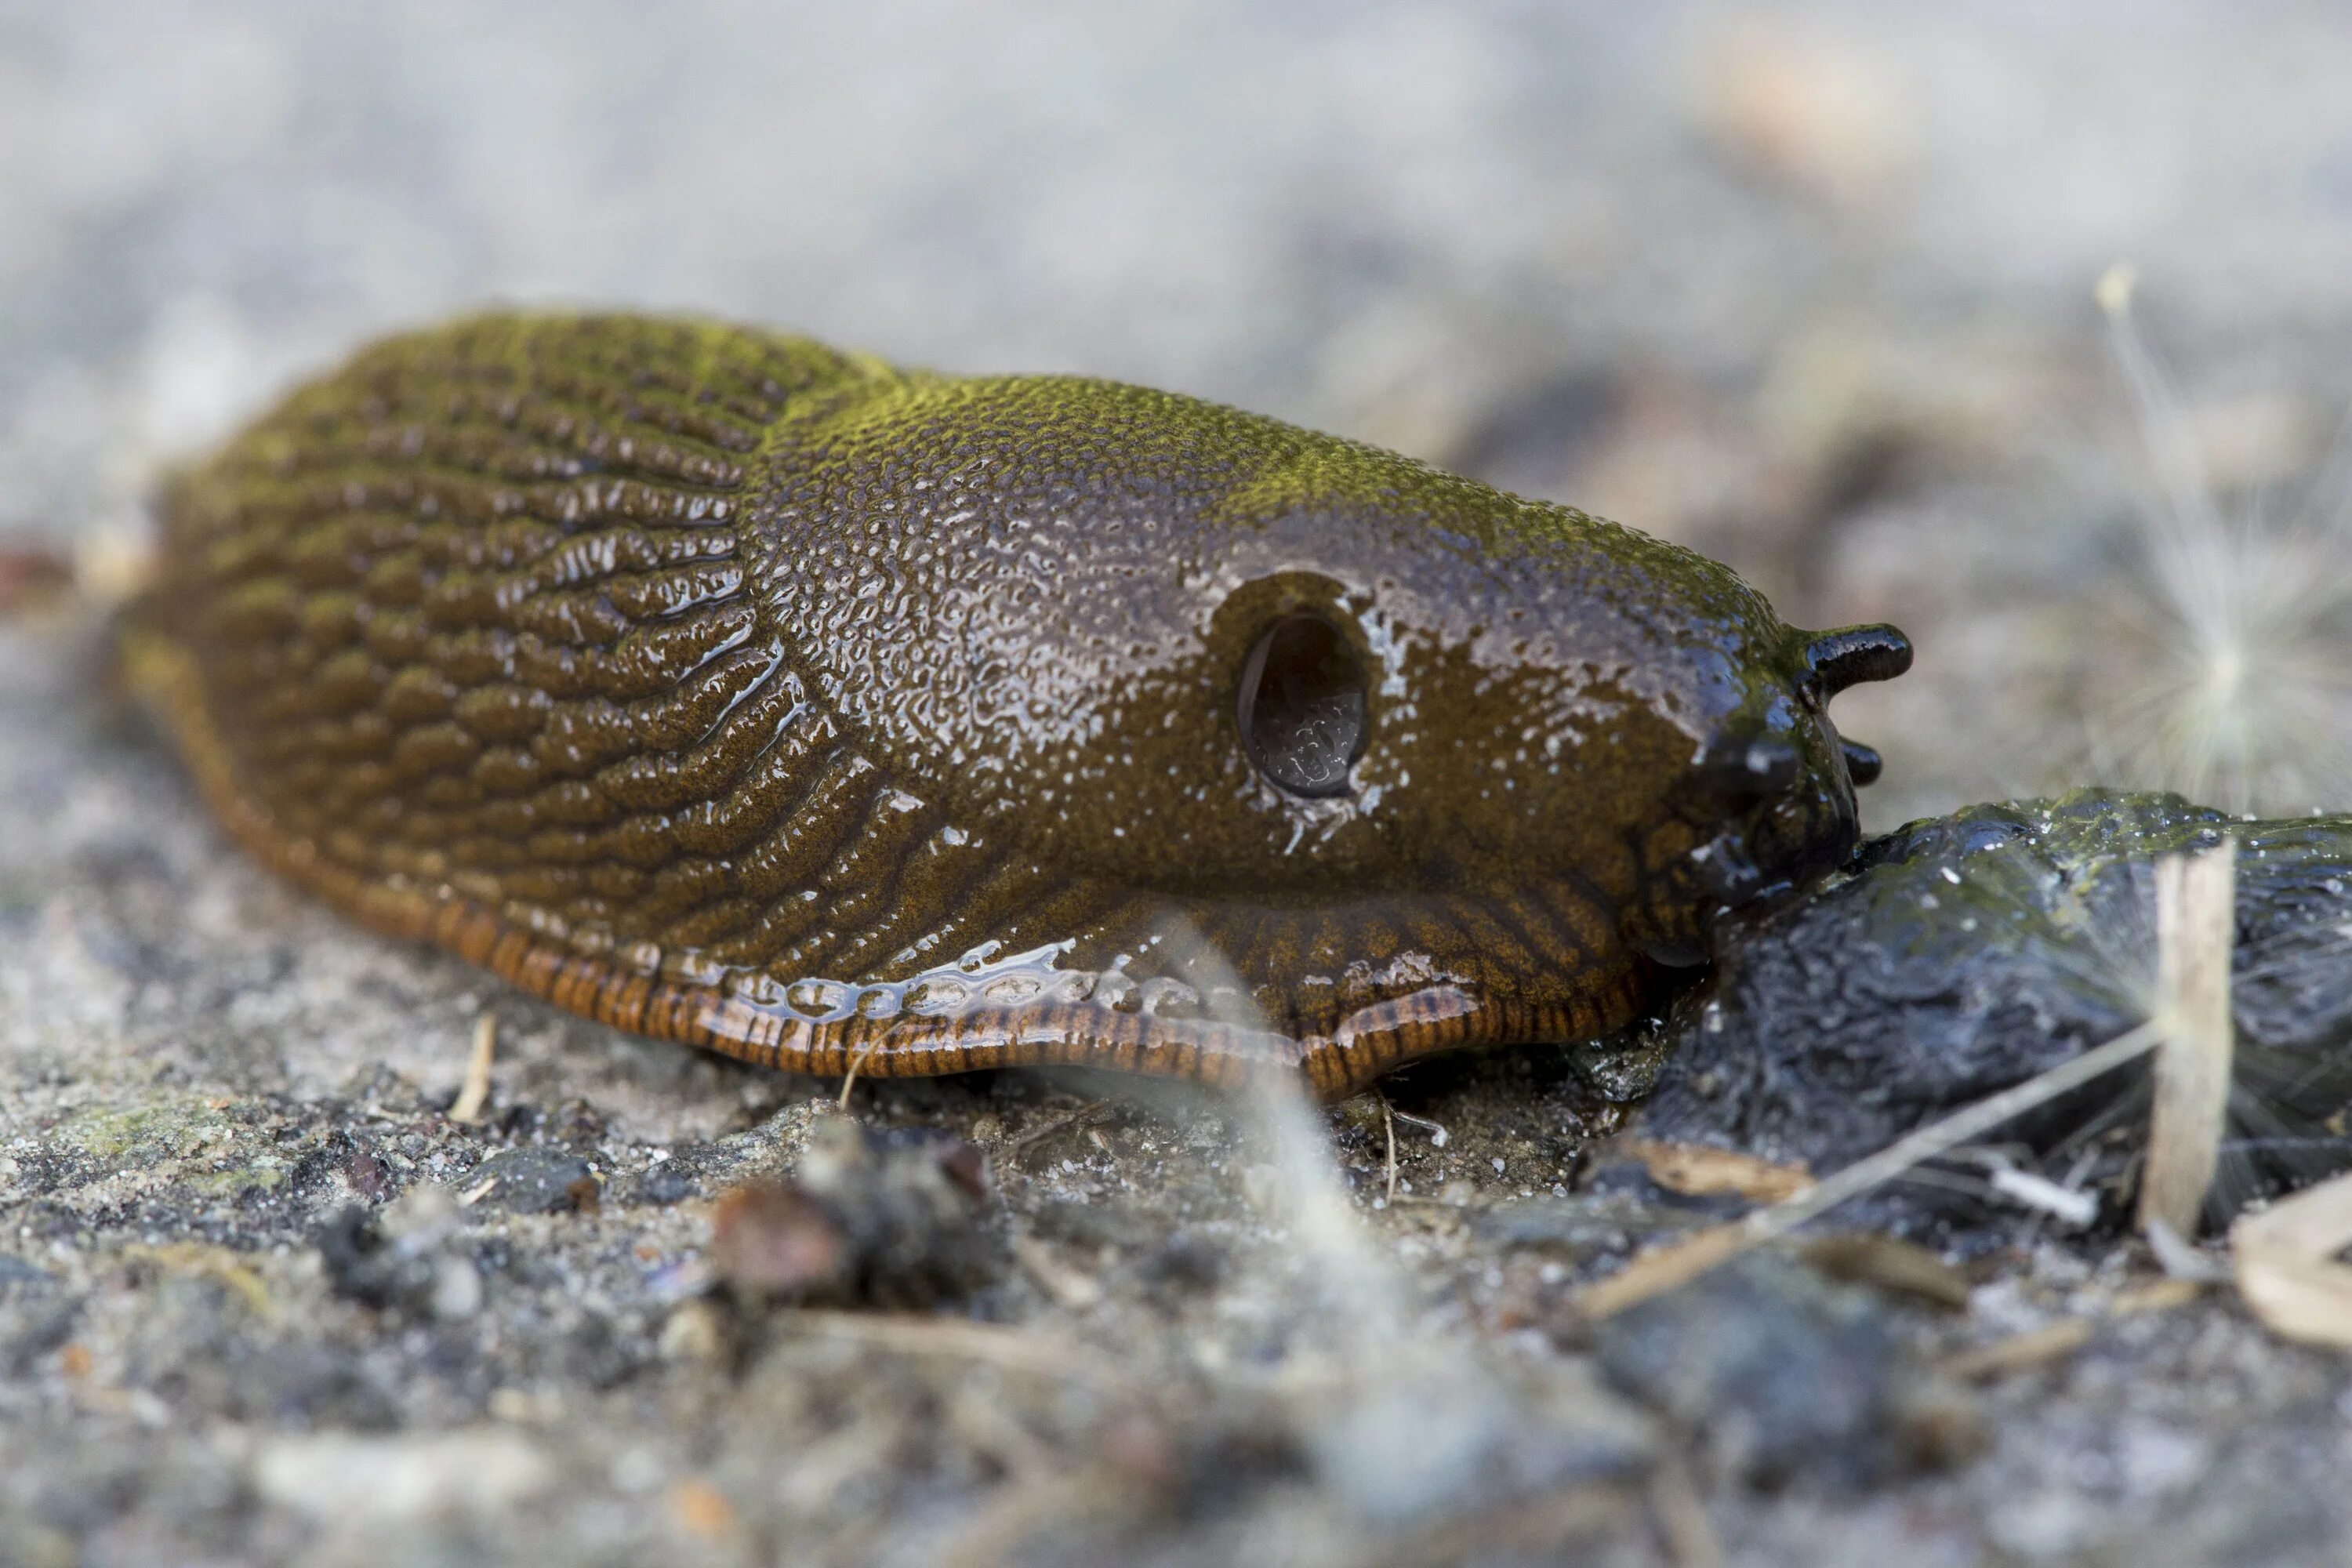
[[1665, 1267], [2156, 1295], [2067, 1335], [2287, 1269], [2196, 928], [474, 1096]]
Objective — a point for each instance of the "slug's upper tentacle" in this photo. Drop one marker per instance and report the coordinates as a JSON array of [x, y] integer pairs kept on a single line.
[[1851, 655]]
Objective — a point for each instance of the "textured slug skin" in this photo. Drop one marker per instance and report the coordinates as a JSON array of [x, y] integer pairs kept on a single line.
[[728, 688]]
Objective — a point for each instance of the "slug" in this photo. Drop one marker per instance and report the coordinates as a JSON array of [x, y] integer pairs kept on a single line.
[[732, 690]]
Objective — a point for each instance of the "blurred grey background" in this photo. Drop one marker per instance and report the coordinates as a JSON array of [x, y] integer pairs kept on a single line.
[[1808, 285]]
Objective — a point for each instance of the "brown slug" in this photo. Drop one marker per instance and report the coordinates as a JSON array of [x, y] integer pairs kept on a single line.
[[728, 688]]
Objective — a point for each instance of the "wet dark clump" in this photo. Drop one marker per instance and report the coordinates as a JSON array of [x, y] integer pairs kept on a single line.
[[1963, 954]]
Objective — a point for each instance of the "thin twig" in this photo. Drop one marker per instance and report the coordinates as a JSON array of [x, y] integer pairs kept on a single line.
[[849, 1079], [475, 1094], [1438, 1135]]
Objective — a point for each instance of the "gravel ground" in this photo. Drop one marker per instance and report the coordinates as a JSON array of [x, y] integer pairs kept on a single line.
[[1806, 286]]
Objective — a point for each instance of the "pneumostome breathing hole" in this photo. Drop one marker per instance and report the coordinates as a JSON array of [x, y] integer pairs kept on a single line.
[[1302, 706]]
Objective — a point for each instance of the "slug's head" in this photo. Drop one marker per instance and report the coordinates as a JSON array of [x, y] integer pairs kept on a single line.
[[1774, 780], [1567, 702]]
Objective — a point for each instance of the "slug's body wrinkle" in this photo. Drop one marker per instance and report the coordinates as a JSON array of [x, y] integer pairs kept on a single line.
[[727, 688]]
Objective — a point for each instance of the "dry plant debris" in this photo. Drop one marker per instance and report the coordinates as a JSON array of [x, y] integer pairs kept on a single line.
[[1700, 1170], [2196, 930], [1665, 1267], [1891, 1264], [474, 1096], [2288, 1266]]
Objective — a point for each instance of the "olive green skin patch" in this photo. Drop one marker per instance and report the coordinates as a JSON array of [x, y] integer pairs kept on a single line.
[[732, 689]]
